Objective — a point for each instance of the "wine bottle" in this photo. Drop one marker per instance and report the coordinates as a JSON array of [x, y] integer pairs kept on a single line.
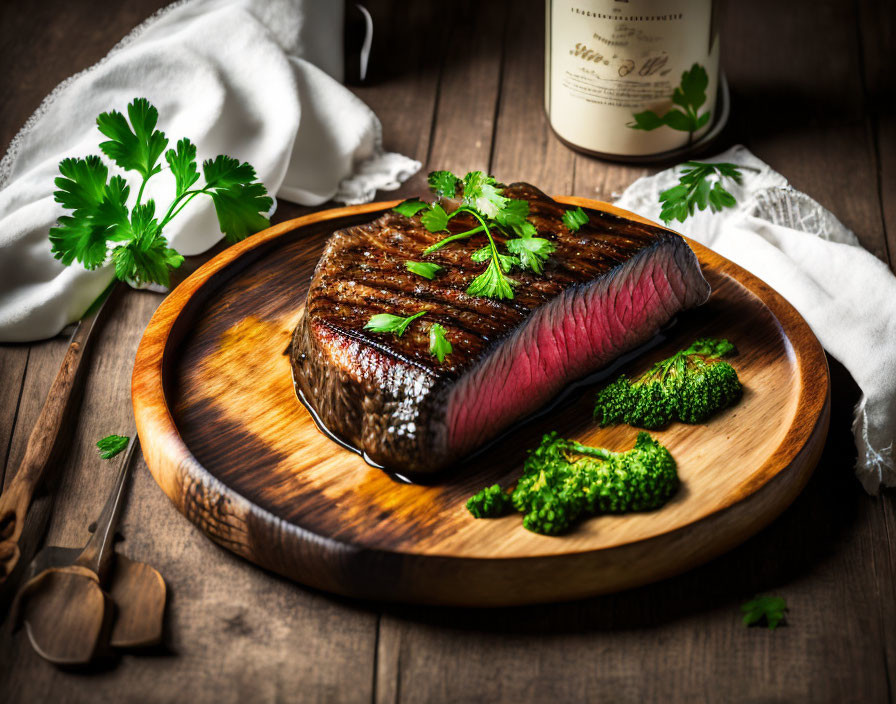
[[608, 61]]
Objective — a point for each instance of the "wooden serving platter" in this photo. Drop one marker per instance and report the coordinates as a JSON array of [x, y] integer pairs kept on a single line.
[[228, 441]]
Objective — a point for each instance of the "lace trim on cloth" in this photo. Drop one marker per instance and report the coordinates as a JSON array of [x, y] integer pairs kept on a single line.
[[9, 159], [794, 209], [383, 171]]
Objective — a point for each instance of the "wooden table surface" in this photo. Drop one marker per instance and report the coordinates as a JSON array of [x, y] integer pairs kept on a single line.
[[459, 86]]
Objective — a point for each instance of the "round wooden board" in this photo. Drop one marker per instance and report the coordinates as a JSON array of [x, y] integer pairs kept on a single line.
[[228, 441]]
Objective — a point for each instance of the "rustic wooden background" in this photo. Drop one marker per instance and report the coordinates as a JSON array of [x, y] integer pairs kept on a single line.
[[460, 86]]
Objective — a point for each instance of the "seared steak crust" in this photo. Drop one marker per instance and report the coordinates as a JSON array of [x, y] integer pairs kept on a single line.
[[607, 288]]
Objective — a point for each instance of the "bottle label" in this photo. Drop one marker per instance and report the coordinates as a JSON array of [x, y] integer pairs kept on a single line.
[[607, 60]]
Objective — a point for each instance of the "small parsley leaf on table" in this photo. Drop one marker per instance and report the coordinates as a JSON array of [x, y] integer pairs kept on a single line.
[[386, 322], [427, 270], [111, 445], [769, 608], [439, 346]]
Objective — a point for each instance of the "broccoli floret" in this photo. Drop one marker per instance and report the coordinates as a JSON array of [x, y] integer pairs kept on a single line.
[[641, 479], [491, 502], [564, 481], [689, 386], [551, 492]]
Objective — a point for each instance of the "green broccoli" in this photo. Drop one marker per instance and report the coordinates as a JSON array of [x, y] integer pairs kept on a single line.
[[564, 481], [491, 502], [689, 386]]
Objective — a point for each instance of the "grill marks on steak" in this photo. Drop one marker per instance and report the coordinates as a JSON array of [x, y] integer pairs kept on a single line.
[[606, 289]]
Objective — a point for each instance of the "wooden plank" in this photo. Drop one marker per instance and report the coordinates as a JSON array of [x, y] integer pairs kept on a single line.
[[468, 90], [877, 32], [13, 362], [49, 42], [525, 148], [403, 85]]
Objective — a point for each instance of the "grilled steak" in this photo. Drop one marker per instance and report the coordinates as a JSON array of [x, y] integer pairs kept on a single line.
[[607, 288]]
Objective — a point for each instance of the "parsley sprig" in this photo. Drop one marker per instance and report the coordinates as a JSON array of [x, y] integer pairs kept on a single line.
[[768, 608], [427, 270], [101, 226], [439, 346], [699, 186], [111, 445], [396, 324], [481, 197]]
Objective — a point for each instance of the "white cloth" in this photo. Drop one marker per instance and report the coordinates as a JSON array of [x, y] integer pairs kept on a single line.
[[846, 294], [258, 80]]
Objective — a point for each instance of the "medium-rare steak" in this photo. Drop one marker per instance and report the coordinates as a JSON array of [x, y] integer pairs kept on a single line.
[[607, 288]]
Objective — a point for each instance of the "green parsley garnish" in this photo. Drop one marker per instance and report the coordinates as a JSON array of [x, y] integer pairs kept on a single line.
[[770, 608], [699, 186], [111, 445], [492, 283], [532, 252], [425, 269], [410, 207], [482, 198], [507, 261], [690, 95], [574, 219], [443, 183], [435, 220], [101, 225], [386, 322], [438, 344]]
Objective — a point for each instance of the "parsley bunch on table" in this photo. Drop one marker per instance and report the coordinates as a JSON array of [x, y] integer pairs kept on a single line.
[[102, 227]]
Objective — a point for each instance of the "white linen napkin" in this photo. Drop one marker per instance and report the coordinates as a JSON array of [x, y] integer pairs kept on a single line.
[[258, 80], [846, 294]]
